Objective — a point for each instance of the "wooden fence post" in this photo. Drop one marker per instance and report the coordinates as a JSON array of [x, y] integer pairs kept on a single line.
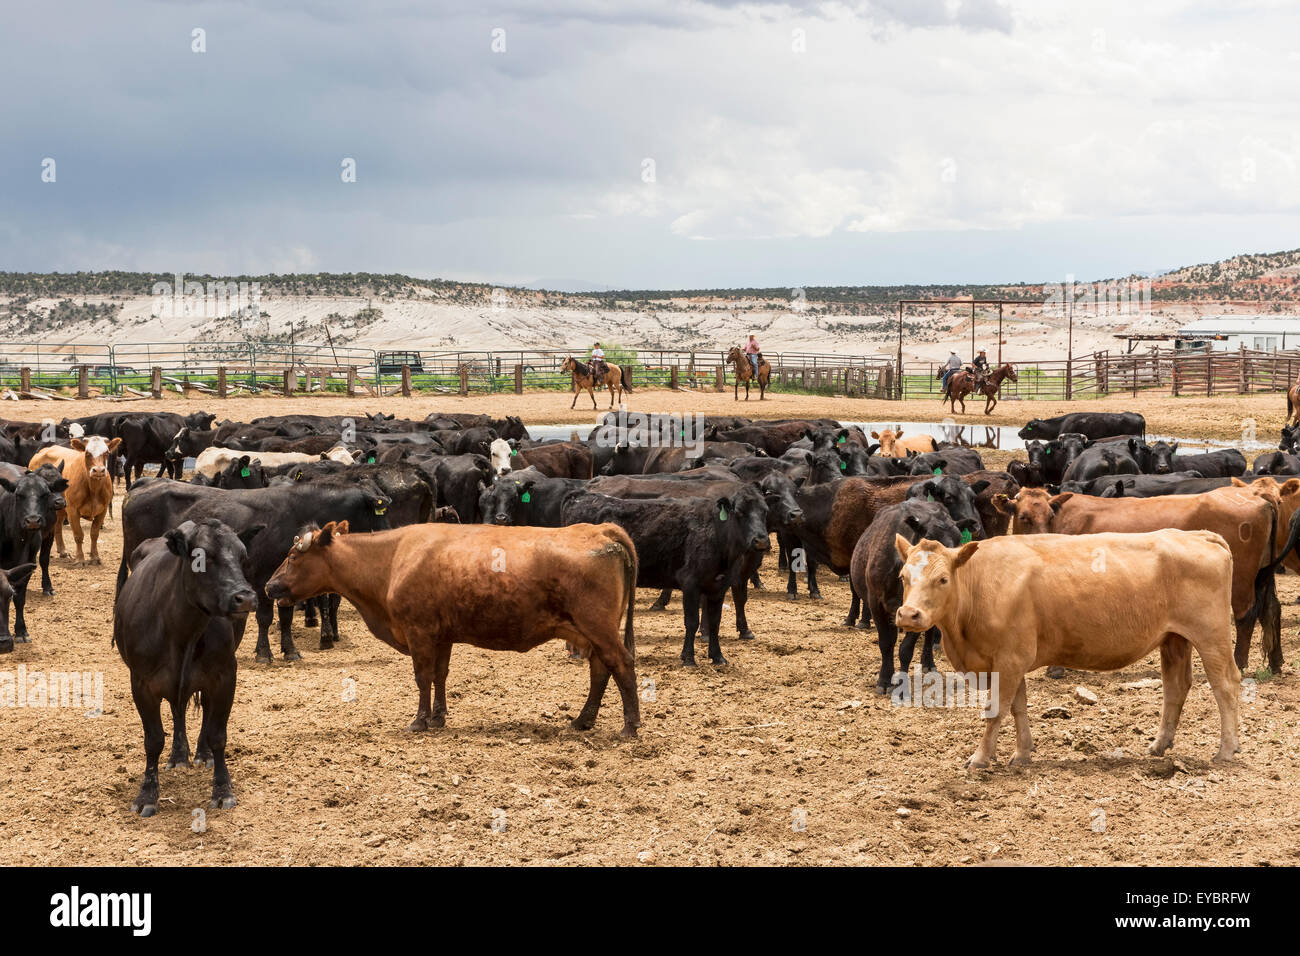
[[352, 381], [290, 381], [83, 381], [464, 379], [25, 378], [719, 379], [406, 381], [1209, 371], [519, 380], [221, 381], [155, 382], [1243, 385], [672, 378]]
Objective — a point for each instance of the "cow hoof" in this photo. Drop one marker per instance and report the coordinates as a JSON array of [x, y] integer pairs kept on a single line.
[[757, 585], [688, 661], [226, 802], [658, 607], [1021, 761], [203, 761], [882, 688], [48, 592], [178, 761], [748, 635], [583, 723], [311, 623], [1226, 756], [974, 762], [1158, 749], [418, 725], [95, 560], [718, 661], [863, 625], [293, 656], [849, 622], [22, 638], [263, 657], [628, 731], [327, 645], [791, 597], [145, 804], [816, 595]]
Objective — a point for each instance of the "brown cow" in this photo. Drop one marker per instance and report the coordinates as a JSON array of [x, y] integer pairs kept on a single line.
[[90, 488], [423, 588], [1099, 602], [894, 445], [1245, 519]]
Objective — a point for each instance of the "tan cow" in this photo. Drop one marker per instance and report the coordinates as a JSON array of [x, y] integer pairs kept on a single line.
[[1098, 602], [894, 445], [89, 492], [214, 459], [1246, 519]]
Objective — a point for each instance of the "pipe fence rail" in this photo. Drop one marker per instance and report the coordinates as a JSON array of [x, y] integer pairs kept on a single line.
[[229, 367]]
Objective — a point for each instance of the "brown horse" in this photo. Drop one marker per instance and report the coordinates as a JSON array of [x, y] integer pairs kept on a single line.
[[962, 383], [745, 373], [1293, 404], [614, 377]]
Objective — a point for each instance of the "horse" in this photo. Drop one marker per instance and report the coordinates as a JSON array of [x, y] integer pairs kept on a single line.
[[614, 377], [745, 373], [962, 383]]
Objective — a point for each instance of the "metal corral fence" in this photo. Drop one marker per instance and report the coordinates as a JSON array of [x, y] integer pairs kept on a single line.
[[244, 367]]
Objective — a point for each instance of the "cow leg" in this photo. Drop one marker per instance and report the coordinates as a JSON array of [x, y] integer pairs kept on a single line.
[[430, 667], [146, 801], [783, 559], [755, 581], [1024, 739], [1225, 680], [1271, 630], [661, 602], [814, 591], [180, 756], [932, 638], [265, 612], [1245, 630], [905, 652], [6, 639], [20, 607], [691, 617], [855, 607], [96, 523], [886, 637], [287, 649], [1176, 681], [58, 533], [309, 618], [739, 595], [712, 606], [586, 718], [47, 586], [217, 703], [1007, 691], [78, 535]]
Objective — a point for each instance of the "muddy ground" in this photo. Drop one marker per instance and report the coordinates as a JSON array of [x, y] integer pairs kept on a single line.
[[783, 756]]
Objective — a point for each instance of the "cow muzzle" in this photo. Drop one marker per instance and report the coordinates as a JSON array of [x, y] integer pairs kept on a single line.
[[501, 519], [241, 602], [278, 593], [912, 619]]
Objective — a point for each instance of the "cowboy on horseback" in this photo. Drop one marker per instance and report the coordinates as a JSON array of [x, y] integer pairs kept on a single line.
[[752, 353], [950, 368], [981, 370], [598, 366]]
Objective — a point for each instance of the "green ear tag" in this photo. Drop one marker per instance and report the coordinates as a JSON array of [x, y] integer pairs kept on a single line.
[[1049, 449], [513, 452], [244, 473], [526, 497], [370, 459], [938, 471], [929, 497], [722, 514], [844, 466], [842, 440], [965, 536]]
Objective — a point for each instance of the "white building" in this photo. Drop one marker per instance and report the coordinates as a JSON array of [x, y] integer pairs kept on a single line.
[[1227, 333]]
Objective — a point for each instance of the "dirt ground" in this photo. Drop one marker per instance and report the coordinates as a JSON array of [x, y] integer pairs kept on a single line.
[[785, 756]]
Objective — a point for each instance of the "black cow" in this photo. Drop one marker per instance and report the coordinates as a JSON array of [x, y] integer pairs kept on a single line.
[[698, 545], [1093, 425], [28, 509], [1151, 486], [457, 479], [172, 625], [1104, 487], [526, 498], [1290, 438], [1225, 463], [947, 461], [150, 511], [1276, 463], [874, 575], [1103, 459]]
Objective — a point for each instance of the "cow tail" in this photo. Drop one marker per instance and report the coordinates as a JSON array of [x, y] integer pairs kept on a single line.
[[629, 578], [1265, 588], [625, 374], [1293, 538]]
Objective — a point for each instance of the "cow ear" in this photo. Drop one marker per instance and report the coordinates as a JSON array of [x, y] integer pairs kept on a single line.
[[77, 444], [965, 553], [8, 485], [808, 457], [248, 534], [1003, 504], [19, 574], [341, 528], [872, 449], [898, 433], [902, 546], [1060, 499], [324, 535], [1289, 487], [1174, 447], [112, 445], [980, 485], [513, 442], [526, 485], [875, 434], [1238, 483], [59, 466], [914, 523], [724, 508], [176, 543]]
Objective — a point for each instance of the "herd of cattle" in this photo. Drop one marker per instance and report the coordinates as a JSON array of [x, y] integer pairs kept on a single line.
[[1092, 551]]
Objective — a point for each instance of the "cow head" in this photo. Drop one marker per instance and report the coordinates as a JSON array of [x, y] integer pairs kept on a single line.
[[1290, 436], [887, 438], [924, 465], [956, 497], [96, 451], [1034, 429], [244, 472], [854, 457], [824, 466], [783, 510], [214, 566], [741, 520], [506, 500], [500, 453], [1031, 510], [1065, 448], [928, 573], [1161, 460], [34, 502], [305, 570]]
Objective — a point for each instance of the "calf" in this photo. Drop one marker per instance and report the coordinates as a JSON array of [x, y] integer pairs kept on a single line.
[[172, 626], [1010, 605], [874, 574], [1102, 460], [1094, 425], [28, 510], [1276, 463], [425, 587], [698, 545], [1225, 463], [893, 445], [89, 491], [527, 498]]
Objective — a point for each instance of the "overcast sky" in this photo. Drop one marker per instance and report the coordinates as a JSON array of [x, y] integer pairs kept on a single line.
[[792, 144]]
